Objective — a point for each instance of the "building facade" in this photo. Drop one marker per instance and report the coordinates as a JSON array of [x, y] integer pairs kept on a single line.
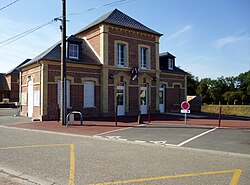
[[112, 64]]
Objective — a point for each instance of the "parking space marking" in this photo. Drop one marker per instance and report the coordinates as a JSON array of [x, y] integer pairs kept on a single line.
[[159, 142], [234, 180], [71, 162], [195, 137], [113, 137]]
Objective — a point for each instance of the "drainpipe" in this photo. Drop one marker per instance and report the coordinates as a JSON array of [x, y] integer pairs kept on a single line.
[[19, 107], [41, 93]]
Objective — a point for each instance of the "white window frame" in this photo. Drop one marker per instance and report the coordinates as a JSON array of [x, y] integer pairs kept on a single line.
[[121, 54], [144, 55], [144, 58], [73, 51], [89, 100], [67, 93], [170, 64]]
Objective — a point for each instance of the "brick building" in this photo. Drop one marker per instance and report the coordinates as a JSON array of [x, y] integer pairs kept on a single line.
[[113, 61], [9, 84]]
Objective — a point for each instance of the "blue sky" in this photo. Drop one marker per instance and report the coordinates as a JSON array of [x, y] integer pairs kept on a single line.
[[210, 38]]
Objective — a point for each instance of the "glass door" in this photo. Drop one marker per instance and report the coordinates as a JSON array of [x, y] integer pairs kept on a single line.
[[144, 99], [120, 100]]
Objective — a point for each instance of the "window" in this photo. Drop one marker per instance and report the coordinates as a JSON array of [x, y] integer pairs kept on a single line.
[[170, 63], [89, 94], [121, 54], [67, 93], [73, 51], [144, 58]]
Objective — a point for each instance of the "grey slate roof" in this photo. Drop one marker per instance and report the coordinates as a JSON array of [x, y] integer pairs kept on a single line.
[[116, 17], [164, 65], [3, 83], [86, 55], [166, 54]]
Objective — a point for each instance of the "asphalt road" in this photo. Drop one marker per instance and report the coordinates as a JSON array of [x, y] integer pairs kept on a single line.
[[7, 120], [50, 158], [218, 139]]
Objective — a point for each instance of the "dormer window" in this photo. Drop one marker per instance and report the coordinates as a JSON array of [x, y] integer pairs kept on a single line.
[[170, 64], [73, 51]]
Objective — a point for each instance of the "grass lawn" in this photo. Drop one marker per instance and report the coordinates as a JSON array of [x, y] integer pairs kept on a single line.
[[235, 110]]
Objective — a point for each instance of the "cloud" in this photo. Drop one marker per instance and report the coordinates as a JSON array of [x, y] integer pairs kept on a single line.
[[180, 32], [229, 40]]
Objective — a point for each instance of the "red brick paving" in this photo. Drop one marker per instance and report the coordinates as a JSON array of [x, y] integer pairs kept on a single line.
[[98, 126]]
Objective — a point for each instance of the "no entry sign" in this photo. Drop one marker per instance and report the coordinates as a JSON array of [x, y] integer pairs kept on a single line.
[[185, 105]]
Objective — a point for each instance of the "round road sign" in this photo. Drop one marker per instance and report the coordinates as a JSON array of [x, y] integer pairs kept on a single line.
[[185, 105]]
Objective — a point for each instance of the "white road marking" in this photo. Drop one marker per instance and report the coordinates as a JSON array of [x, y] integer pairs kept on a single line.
[[108, 132], [113, 137], [195, 137], [139, 141], [171, 145], [122, 139], [159, 142]]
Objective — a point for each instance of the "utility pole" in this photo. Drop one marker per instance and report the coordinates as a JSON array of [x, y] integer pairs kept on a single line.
[[63, 110]]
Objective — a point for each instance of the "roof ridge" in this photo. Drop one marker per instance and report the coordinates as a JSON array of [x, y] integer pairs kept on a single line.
[[117, 17]]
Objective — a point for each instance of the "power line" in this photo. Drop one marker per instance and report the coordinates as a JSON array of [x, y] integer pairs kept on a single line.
[[21, 35], [113, 3], [9, 4]]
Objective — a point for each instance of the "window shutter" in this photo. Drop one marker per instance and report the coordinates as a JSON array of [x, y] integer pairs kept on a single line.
[[89, 93], [58, 93], [125, 55], [68, 93]]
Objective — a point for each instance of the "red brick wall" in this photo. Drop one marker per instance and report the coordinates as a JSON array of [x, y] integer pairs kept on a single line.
[[93, 36], [133, 101], [35, 76], [76, 89], [133, 44]]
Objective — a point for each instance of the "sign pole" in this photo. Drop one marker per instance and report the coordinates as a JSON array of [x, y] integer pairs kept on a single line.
[[185, 109]]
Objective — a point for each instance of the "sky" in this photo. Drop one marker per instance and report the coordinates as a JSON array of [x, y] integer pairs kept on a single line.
[[210, 38]]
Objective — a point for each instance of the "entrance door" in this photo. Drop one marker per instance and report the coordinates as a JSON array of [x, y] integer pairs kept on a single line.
[[30, 98], [162, 99], [120, 99], [144, 99]]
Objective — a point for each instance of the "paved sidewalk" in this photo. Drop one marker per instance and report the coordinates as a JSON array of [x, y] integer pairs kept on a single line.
[[102, 125]]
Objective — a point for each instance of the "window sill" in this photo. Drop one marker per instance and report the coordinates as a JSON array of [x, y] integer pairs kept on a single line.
[[146, 69], [121, 66], [89, 107], [73, 58]]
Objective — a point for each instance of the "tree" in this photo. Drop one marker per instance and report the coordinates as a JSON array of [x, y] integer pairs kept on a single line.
[[192, 84], [243, 85], [203, 90], [228, 96]]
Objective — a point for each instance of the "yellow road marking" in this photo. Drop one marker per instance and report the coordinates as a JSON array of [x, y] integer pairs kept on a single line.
[[72, 165], [71, 161], [234, 180], [236, 177], [33, 146]]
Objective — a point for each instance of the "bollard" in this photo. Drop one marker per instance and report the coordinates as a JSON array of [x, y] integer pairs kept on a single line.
[[116, 110], [220, 116], [149, 113], [57, 113]]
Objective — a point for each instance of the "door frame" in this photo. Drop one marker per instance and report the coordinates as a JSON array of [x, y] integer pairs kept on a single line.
[[162, 106], [121, 109], [30, 98], [143, 108]]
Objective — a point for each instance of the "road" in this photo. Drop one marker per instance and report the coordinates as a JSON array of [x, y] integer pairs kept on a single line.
[[56, 158], [218, 139]]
